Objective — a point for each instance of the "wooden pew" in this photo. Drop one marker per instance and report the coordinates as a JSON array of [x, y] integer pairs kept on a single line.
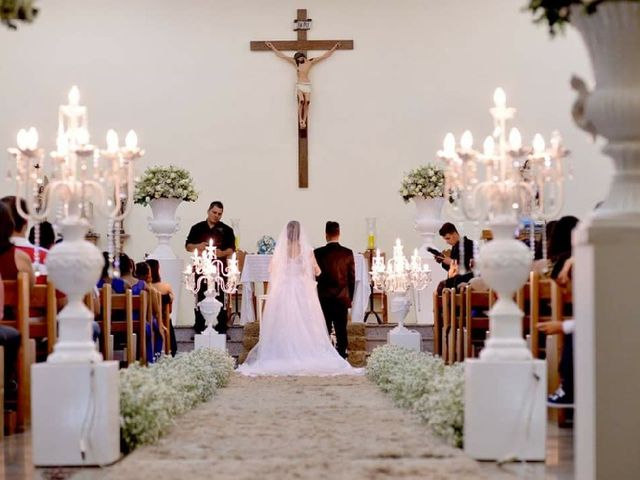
[[476, 324], [123, 305], [437, 323], [16, 296]]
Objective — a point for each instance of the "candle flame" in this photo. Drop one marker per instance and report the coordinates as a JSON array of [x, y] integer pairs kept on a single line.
[[112, 141], [499, 98], [515, 139], [449, 145], [466, 141], [22, 139], [538, 144], [74, 96], [131, 140], [489, 146]]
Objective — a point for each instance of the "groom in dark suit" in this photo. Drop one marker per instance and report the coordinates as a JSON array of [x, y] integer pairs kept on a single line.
[[336, 284]]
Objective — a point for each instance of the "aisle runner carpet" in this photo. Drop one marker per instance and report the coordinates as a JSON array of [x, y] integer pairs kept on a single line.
[[299, 428]]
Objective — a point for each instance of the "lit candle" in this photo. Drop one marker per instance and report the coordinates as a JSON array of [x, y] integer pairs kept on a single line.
[[515, 139], [489, 146], [131, 140], [22, 139], [538, 144], [74, 96], [500, 98], [32, 138], [112, 141], [466, 141], [449, 145]]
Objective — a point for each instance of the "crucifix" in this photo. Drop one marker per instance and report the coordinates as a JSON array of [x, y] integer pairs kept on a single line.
[[303, 84]]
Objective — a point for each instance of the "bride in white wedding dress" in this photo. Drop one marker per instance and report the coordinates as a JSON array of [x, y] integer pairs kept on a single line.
[[293, 332]]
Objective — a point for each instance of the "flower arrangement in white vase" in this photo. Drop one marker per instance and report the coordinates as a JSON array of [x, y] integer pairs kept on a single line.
[[163, 188], [425, 186]]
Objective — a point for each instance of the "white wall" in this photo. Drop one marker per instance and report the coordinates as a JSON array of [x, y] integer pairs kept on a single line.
[[182, 75]]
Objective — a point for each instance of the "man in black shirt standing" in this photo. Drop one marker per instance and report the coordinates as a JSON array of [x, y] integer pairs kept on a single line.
[[225, 242]]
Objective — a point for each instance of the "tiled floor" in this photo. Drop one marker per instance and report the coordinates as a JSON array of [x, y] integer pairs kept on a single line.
[[15, 462]]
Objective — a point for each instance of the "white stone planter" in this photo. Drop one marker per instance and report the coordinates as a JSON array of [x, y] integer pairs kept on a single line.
[[612, 37], [428, 219], [164, 225]]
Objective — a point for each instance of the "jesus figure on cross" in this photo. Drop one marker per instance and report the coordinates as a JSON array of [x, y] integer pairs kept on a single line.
[[303, 84]]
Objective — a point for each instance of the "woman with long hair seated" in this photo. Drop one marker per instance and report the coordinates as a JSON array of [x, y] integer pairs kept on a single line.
[[143, 273], [167, 297]]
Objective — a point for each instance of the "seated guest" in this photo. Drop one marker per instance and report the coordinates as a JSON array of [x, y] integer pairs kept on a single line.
[[560, 255], [47, 235], [12, 261], [19, 235], [127, 267], [450, 234], [167, 297], [560, 249], [117, 284], [143, 273]]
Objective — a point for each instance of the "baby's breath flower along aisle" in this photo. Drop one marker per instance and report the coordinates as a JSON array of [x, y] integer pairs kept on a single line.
[[422, 383], [152, 397]]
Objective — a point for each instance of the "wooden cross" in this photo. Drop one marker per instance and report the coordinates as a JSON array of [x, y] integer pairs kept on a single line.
[[302, 24]]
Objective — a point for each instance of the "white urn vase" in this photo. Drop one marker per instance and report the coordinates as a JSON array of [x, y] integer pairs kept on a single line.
[[612, 109], [428, 220], [504, 264], [399, 306], [164, 224], [74, 266]]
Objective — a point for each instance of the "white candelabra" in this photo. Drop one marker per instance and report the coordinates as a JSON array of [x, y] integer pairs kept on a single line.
[[399, 274], [75, 178], [80, 175], [503, 183], [207, 268], [397, 277]]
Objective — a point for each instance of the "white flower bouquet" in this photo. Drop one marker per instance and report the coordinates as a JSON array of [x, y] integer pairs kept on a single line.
[[151, 397], [266, 245], [164, 182], [426, 181], [424, 384]]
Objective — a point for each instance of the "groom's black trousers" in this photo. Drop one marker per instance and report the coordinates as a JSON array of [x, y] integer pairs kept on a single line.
[[335, 314]]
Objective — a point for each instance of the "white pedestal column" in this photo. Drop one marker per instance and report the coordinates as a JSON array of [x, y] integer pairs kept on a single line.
[[607, 253], [399, 305], [164, 224], [428, 221], [75, 395], [505, 410], [607, 357], [209, 338], [75, 408], [505, 390]]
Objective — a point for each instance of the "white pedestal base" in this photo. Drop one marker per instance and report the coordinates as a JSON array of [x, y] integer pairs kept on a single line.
[[505, 410], [607, 358], [403, 337], [424, 298], [211, 340], [63, 397]]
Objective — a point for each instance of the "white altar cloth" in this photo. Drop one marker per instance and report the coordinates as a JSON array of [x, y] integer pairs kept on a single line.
[[256, 269]]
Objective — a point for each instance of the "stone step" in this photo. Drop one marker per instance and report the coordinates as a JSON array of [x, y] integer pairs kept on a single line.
[[376, 336]]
